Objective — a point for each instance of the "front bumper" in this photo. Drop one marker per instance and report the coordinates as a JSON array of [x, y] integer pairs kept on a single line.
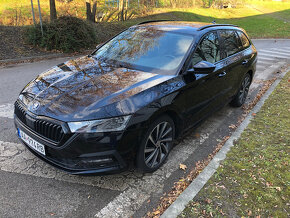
[[99, 153]]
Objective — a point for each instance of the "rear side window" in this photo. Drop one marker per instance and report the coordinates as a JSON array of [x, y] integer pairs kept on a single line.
[[231, 41], [244, 39], [207, 50]]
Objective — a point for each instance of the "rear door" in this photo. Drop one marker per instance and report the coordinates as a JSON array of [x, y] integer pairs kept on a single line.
[[233, 60]]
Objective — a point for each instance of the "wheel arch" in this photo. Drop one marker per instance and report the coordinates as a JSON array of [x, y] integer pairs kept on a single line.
[[173, 114], [251, 74]]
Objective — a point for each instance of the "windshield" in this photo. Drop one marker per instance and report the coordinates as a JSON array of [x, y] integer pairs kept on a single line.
[[146, 49]]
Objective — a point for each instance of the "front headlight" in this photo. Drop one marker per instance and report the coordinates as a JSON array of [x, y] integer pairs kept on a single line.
[[103, 125]]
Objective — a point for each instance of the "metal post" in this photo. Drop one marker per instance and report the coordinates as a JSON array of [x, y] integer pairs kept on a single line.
[[128, 3], [32, 10], [40, 18]]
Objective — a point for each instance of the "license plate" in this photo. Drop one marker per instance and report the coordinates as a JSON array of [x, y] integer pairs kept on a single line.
[[31, 142]]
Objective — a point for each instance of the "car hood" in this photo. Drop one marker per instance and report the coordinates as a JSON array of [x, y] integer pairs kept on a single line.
[[85, 89]]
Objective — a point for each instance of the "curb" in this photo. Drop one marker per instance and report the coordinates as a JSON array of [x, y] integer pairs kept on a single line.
[[197, 184]]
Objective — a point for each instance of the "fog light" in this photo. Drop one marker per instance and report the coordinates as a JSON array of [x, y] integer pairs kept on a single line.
[[104, 160], [93, 163]]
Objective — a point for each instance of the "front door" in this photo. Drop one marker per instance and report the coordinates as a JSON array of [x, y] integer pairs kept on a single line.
[[205, 92]]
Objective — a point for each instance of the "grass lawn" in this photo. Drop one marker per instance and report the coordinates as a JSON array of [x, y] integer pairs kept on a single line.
[[254, 179], [255, 19]]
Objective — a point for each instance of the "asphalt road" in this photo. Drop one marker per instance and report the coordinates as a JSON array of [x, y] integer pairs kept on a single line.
[[32, 188]]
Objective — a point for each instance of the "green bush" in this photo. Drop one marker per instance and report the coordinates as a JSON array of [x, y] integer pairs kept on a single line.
[[65, 34]]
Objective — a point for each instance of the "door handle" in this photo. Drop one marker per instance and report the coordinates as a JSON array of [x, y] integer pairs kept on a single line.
[[245, 62], [223, 74]]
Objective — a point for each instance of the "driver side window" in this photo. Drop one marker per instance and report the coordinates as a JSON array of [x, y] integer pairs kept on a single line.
[[207, 50]]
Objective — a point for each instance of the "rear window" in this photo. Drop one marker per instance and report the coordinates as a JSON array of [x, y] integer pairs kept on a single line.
[[244, 39], [232, 42]]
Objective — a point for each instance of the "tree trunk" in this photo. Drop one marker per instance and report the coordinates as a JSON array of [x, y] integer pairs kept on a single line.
[[53, 14], [88, 7], [122, 10], [94, 10], [91, 13]]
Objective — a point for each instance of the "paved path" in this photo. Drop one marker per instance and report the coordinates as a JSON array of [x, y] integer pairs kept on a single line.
[[31, 188]]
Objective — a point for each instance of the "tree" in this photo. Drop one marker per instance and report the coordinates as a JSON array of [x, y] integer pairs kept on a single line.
[[91, 13], [53, 14]]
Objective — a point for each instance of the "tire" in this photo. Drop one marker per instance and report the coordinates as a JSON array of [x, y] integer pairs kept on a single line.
[[240, 98], [153, 150]]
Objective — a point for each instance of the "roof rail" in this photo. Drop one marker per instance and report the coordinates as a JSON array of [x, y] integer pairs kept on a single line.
[[153, 21], [213, 25]]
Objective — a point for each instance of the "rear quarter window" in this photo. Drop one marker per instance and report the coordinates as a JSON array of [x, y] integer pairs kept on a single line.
[[244, 39]]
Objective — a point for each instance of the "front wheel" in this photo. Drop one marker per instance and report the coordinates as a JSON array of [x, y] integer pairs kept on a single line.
[[240, 98], [156, 144]]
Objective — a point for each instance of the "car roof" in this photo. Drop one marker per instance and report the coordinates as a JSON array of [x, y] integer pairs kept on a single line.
[[185, 26]]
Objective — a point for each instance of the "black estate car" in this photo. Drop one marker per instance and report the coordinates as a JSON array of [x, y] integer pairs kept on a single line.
[[137, 92]]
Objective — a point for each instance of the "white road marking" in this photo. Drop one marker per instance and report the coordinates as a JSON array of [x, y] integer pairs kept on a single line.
[[7, 110], [265, 58], [287, 51], [284, 51], [270, 54], [276, 51], [262, 63]]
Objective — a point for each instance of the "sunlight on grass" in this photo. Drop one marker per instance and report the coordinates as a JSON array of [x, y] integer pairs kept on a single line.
[[271, 5], [215, 13]]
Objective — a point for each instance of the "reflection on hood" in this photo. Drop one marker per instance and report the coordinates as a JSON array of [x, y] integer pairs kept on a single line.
[[78, 89]]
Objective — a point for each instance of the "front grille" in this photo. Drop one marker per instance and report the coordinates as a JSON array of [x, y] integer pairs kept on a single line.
[[44, 128]]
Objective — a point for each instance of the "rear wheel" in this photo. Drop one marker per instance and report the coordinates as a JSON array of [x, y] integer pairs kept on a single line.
[[156, 144], [240, 98]]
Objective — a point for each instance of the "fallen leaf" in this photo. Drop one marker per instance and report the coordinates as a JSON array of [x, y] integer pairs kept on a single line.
[[208, 201], [182, 166], [233, 126], [197, 135], [278, 188], [156, 212]]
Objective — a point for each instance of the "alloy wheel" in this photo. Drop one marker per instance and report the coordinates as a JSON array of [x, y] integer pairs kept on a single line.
[[244, 89], [158, 144]]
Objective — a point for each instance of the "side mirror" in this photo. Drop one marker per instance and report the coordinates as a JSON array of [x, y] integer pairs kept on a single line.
[[203, 67]]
